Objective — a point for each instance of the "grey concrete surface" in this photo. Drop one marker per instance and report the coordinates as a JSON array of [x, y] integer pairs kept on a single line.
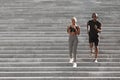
[[34, 41]]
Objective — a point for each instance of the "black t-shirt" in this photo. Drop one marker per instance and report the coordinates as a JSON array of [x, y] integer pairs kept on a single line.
[[92, 27]]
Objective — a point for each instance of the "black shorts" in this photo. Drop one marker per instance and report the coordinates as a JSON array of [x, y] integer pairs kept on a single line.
[[94, 39]]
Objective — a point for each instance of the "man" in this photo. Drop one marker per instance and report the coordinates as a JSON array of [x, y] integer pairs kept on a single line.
[[93, 29]]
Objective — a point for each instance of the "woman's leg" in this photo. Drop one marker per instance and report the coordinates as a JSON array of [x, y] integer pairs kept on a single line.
[[75, 44], [75, 51], [96, 52], [70, 46]]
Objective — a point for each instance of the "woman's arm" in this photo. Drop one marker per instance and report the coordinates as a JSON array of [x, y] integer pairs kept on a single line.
[[68, 30], [77, 30]]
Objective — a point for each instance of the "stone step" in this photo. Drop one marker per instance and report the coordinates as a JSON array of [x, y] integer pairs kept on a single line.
[[55, 47], [50, 35], [55, 55], [48, 39], [59, 78], [43, 43], [50, 30], [57, 59], [58, 64], [52, 69], [16, 24], [33, 24], [60, 74], [54, 51], [54, 32], [60, 32], [55, 29], [34, 42], [24, 20], [55, 40]]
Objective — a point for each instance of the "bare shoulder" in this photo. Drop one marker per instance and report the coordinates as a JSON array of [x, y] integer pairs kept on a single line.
[[69, 26]]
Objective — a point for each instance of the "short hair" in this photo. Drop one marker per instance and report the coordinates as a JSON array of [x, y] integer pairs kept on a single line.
[[94, 14], [74, 18]]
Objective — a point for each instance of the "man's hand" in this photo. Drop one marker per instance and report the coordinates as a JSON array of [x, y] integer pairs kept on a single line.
[[98, 30]]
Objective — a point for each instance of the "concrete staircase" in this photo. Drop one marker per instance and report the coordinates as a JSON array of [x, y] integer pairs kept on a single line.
[[34, 42]]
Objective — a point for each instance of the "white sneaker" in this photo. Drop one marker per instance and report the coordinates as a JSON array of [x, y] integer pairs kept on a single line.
[[71, 60], [74, 65], [95, 61]]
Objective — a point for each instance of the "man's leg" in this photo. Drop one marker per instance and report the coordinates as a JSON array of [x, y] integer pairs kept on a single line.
[[96, 53], [91, 47], [91, 43], [96, 50]]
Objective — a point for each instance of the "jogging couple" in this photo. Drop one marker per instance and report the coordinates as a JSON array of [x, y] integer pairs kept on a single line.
[[93, 30]]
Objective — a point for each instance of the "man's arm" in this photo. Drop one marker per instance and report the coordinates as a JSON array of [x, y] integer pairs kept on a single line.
[[99, 28], [88, 27]]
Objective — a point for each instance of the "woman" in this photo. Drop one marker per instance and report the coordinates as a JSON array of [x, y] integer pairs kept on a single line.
[[73, 31]]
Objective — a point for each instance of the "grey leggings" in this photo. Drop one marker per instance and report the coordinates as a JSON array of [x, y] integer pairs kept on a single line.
[[73, 42]]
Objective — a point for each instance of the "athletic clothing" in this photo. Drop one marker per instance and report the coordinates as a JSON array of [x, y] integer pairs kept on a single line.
[[72, 29], [93, 33], [73, 42]]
